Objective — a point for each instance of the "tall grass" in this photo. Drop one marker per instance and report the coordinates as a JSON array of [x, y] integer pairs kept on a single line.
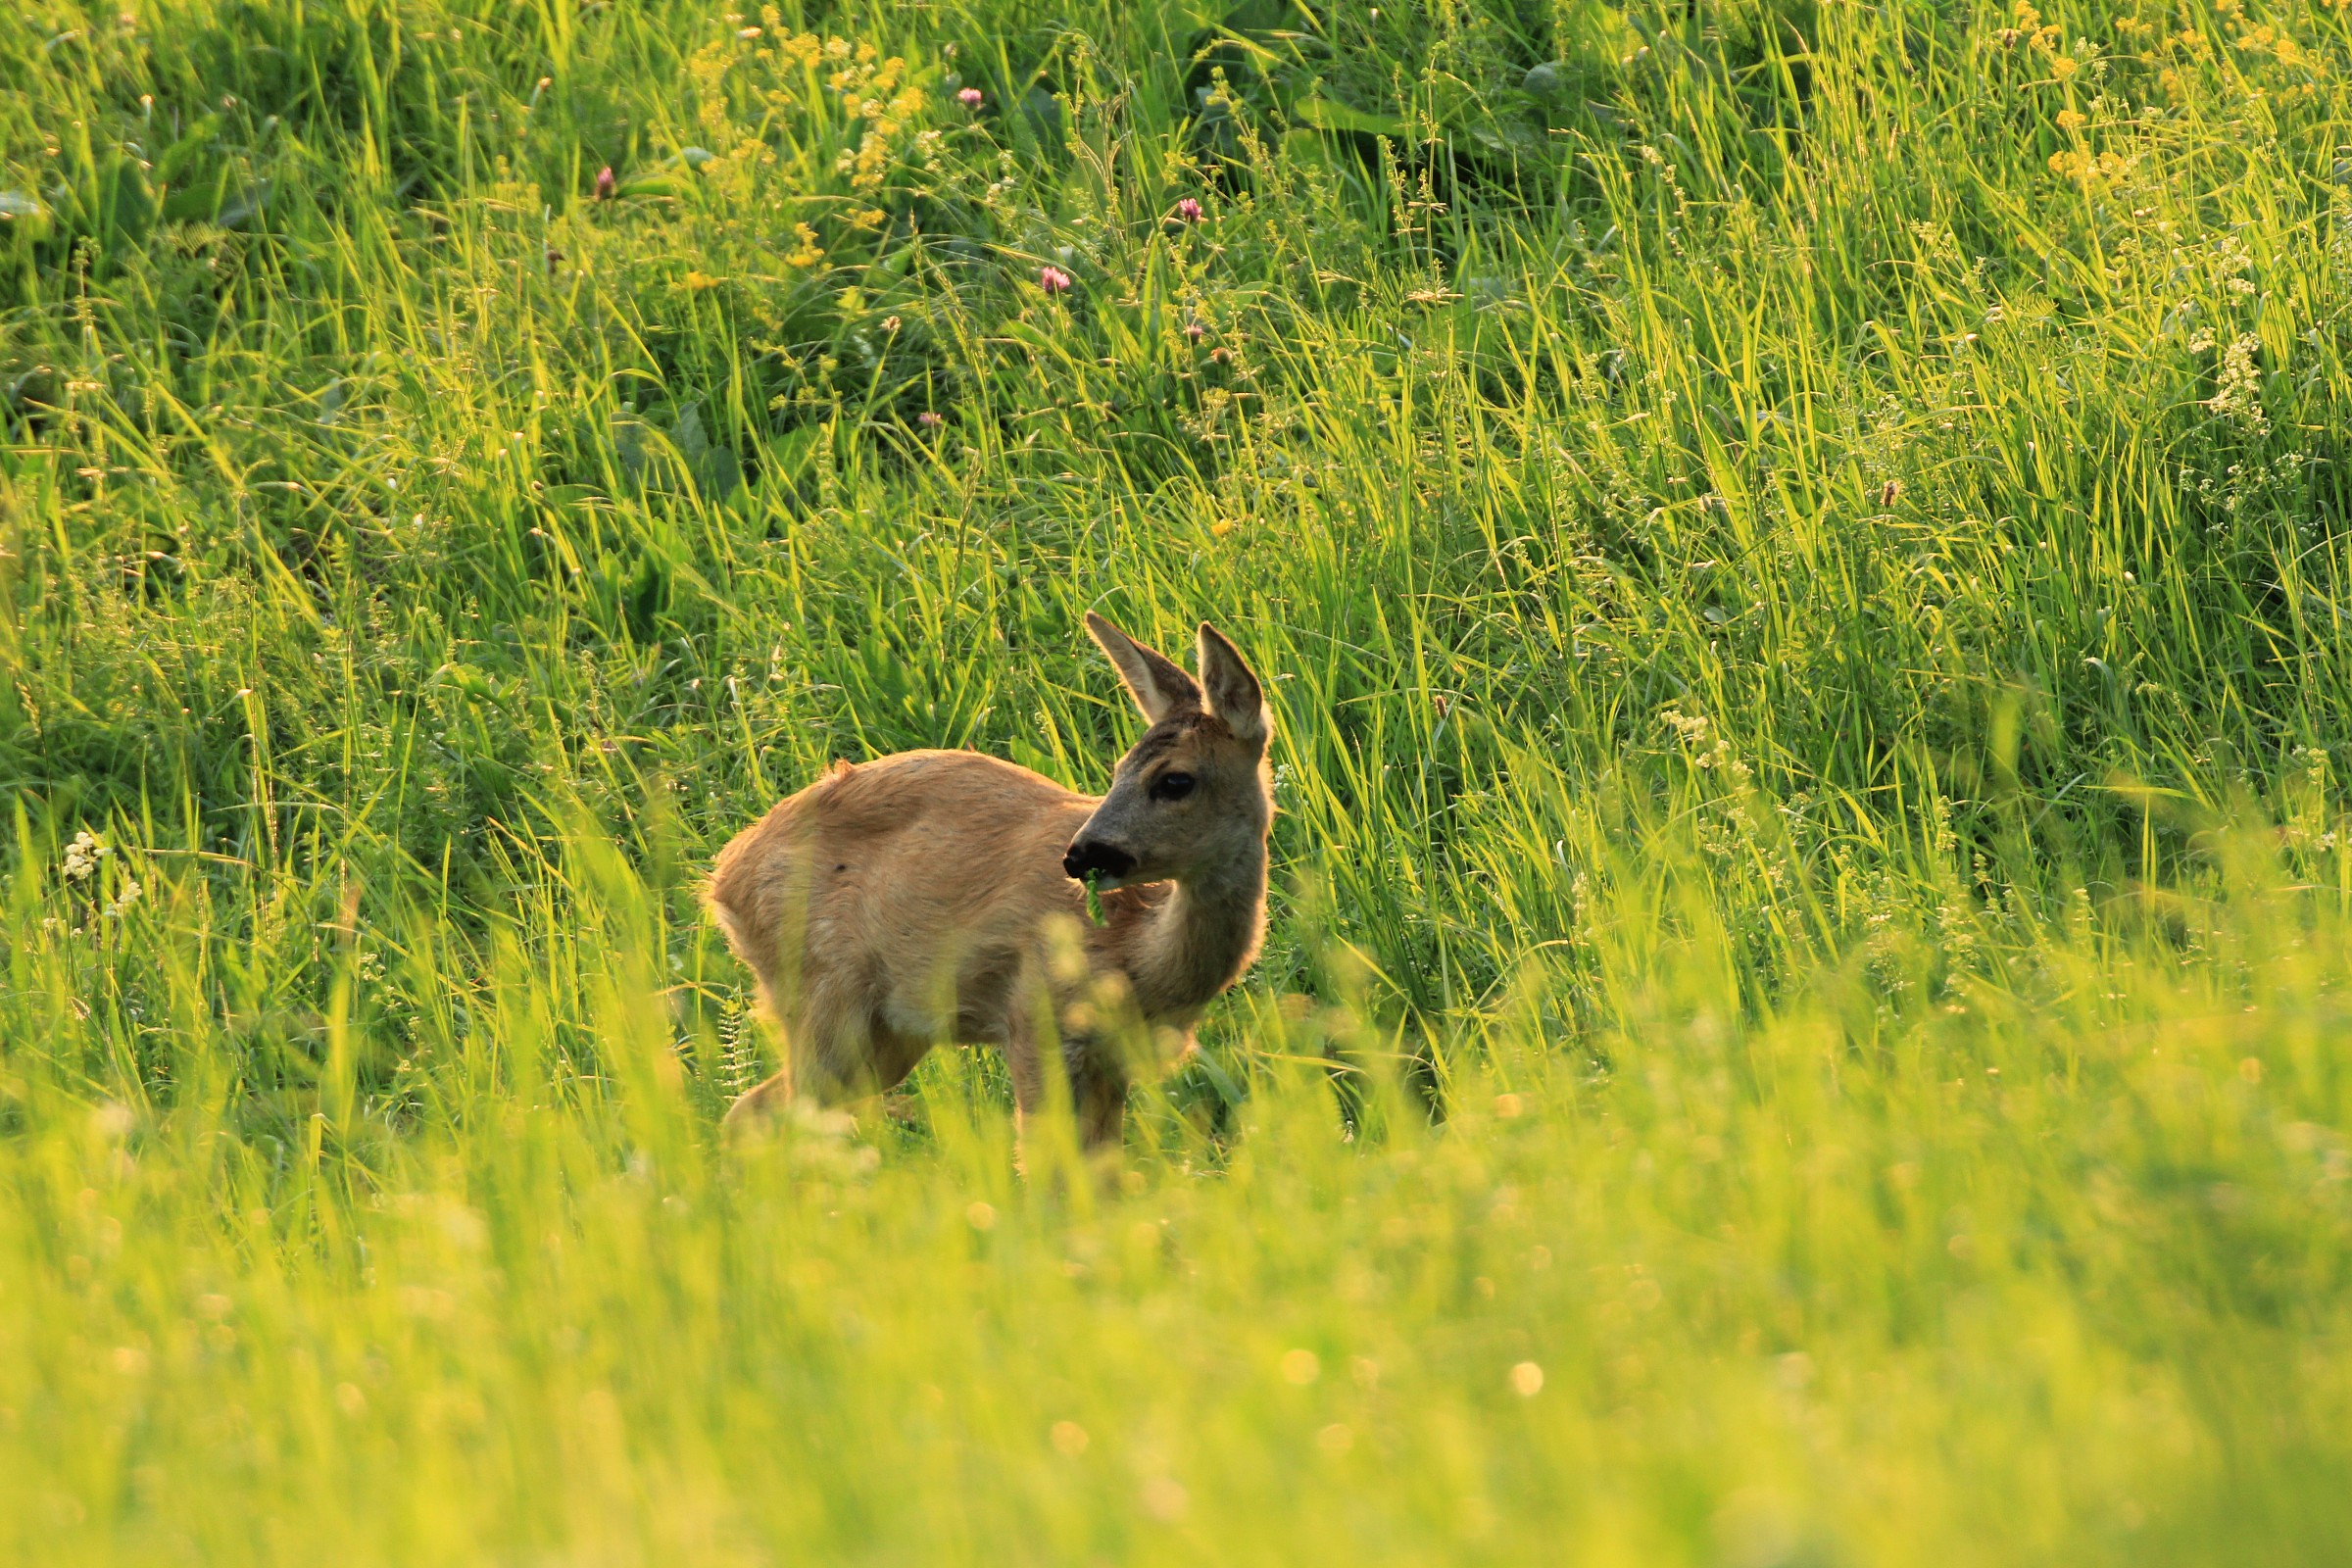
[[1798, 555]]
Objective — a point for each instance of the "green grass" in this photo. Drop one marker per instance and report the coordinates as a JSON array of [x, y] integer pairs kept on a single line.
[[1801, 558]]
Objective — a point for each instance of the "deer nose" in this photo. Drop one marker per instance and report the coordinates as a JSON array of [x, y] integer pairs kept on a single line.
[[1092, 855]]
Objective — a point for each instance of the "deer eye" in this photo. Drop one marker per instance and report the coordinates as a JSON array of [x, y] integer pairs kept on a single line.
[[1171, 786]]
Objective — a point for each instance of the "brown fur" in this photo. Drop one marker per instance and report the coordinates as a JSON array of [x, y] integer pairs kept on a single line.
[[922, 898]]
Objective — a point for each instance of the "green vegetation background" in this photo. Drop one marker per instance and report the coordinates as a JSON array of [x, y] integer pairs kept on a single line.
[[1800, 556]]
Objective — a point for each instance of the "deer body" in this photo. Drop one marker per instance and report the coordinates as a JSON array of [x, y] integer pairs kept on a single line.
[[931, 897]]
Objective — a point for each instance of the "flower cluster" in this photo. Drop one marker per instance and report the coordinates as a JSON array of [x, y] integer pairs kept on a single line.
[[2238, 386], [752, 81], [2030, 31], [1706, 748], [2087, 168], [82, 856], [870, 91]]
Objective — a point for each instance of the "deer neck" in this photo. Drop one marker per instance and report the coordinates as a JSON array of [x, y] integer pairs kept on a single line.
[[1199, 939]]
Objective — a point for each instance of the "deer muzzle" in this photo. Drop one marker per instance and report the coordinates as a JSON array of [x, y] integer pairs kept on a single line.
[[1106, 862]]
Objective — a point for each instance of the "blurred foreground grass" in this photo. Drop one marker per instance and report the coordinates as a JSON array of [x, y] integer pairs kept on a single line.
[[2056, 1275], [1799, 553]]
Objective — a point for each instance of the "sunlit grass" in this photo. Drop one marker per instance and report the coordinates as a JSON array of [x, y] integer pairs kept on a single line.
[[1799, 558]]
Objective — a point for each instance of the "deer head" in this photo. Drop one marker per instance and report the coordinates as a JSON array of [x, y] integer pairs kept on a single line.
[[1193, 798]]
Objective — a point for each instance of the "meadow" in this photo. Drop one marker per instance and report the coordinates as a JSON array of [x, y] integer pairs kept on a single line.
[[1799, 552]]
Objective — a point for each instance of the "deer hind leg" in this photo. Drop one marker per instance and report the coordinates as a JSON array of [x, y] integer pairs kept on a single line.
[[828, 1051], [764, 1100]]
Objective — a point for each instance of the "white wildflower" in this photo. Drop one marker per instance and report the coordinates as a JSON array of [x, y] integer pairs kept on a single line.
[[82, 856], [2237, 390]]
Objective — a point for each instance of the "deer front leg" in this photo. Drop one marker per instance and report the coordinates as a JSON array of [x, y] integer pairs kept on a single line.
[[1027, 1021], [1098, 1096], [1094, 1080]]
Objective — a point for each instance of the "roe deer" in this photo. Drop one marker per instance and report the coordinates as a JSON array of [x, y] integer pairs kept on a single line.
[[936, 895]]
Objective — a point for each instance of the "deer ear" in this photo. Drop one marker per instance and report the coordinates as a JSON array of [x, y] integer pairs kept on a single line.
[[1157, 686], [1234, 693]]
